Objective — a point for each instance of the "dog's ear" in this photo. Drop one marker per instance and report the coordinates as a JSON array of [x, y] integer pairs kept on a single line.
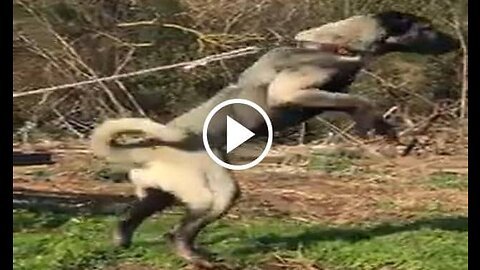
[[397, 23]]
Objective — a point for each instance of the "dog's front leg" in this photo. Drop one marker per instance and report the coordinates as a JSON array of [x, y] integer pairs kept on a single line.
[[288, 90], [360, 109]]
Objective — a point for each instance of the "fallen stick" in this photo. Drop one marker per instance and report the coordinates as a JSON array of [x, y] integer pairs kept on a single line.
[[28, 159]]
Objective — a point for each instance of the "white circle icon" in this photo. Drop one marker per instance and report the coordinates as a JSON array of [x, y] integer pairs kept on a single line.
[[233, 136]]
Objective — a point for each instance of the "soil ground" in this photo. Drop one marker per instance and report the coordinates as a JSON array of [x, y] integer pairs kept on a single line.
[[364, 190], [305, 186]]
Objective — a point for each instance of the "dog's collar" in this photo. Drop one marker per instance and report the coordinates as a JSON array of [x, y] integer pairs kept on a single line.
[[326, 47], [333, 48], [338, 49]]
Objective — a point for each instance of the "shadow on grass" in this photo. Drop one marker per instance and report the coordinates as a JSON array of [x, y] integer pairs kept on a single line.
[[315, 234], [68, 202], [38, 220], [49, 210], [26, 218]]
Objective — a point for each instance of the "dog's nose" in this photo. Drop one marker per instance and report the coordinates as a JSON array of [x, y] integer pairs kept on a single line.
[[446, 43], [449, 43], [455, 44]]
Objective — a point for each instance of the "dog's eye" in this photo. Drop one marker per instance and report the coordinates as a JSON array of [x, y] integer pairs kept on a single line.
[[401, 26], [426, 27]]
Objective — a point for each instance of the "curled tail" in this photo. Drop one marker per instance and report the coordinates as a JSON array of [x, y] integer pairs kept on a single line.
[[101, 141]]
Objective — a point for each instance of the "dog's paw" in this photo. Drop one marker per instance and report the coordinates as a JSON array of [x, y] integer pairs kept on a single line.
[[386, 128], [122, 237]]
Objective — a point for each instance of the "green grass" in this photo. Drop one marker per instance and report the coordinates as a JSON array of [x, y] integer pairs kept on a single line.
[[332, 163], [442, 180], [52, 241]]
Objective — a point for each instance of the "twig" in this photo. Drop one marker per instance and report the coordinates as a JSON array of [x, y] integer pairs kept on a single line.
[[93, 74], [186, 65], [200, 36], [418, 129], [333, 137], [57, 63], [125, 61], [123, 43], [222, 40], [350, 137], [464, 91], [397, 87], [345, 135], [277, 36], [122, 86], [138, 23], [422, 126], [230, 22], [73, 53], [69, 127]]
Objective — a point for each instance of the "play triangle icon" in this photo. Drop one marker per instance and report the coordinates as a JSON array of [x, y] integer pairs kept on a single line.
[[236, 134]]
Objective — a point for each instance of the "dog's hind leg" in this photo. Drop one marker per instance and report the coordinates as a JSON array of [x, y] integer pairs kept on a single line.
[[152, 201], [223, 192]]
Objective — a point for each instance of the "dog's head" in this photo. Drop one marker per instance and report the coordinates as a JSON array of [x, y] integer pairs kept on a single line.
[[409, 33], [380, 33]]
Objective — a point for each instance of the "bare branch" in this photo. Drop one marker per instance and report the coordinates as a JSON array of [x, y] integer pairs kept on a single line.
[[122, 86], [185, 65], [74, 54], [123, 43], [349, 137], [69, 127], [139, 23], [397, 87], [464, 90], [456, 25]]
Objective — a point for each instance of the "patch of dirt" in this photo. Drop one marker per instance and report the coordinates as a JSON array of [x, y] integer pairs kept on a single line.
[[131, 266], [279, 263], [342, 200], [376, 190]]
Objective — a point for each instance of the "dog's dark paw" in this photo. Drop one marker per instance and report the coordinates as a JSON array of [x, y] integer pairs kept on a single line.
[[386, 128], [122, 236]]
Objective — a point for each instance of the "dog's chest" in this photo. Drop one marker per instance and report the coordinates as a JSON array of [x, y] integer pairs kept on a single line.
[[339, 82]]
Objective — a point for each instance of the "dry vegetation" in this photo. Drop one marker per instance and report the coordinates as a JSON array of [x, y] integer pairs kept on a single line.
[[316, 174], [59, 42]]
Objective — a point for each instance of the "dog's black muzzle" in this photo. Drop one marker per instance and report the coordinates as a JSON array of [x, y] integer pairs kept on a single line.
[[445, 44], [433, 43]]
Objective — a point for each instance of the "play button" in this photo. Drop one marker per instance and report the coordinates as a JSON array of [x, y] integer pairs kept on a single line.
[[236, 134], [229, 126]]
